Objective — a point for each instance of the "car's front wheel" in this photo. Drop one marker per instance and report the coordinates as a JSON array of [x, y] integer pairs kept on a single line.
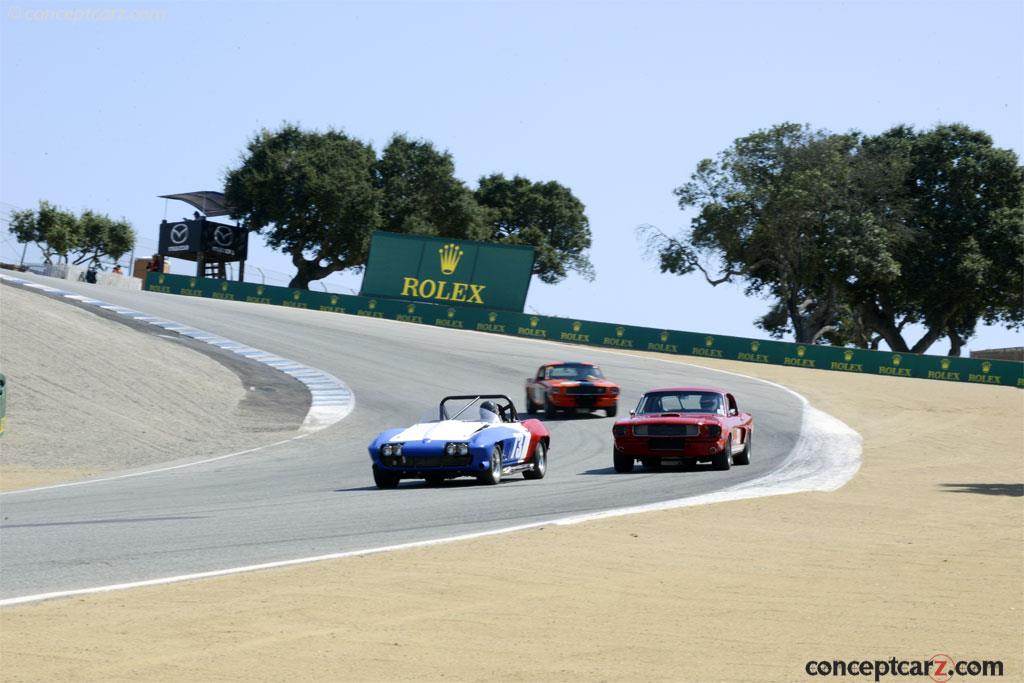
[[540, 463], [623, 463], [724, 461], [385, 480], [549, 408], [493, 473], [744, 457], [612, 411]]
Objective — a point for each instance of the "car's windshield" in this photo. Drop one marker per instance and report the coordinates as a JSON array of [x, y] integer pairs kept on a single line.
[[475, 409], [578, 371], [681, 402]]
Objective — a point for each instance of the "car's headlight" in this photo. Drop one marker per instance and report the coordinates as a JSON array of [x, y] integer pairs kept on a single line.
[[449, 449], [713, 430], [386, 449], [396, 449], [619, 430], [615, 391], [463, 449]]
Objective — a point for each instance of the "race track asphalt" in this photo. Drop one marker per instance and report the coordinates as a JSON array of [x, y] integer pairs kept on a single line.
[[315, 495]]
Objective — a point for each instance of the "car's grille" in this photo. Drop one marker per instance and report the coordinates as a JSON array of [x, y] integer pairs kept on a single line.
[[417, 461], [667, 444], [584, 389], [671, 430]]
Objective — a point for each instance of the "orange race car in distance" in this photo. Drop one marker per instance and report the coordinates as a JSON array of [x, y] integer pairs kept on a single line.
[[571, 387]]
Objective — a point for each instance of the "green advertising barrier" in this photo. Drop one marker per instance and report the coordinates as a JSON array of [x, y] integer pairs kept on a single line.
[[448, 271], [607, 335]]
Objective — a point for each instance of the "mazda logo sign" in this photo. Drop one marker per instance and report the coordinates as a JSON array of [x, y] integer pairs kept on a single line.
[[222, 236], [179, 234]]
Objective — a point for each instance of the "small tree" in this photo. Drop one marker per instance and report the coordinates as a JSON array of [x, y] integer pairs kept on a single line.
[[545, 215], [54, 230], [99, 236]]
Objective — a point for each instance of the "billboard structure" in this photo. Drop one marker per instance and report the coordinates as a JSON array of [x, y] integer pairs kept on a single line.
[[448, 271]]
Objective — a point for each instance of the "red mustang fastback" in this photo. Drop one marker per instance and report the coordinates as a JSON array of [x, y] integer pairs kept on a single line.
[[683, 426], [570, 386]]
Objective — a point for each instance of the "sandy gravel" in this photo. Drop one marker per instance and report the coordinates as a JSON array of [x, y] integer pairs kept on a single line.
[[921, 553], [87, 394]]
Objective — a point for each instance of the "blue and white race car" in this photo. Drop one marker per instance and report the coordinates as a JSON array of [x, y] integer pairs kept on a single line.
[[478, 436]]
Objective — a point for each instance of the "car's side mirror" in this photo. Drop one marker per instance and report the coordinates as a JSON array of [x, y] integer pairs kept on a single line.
[[632, 413], [733, 411]]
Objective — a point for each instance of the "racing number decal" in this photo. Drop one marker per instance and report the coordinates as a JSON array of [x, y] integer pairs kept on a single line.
[[517, 450]]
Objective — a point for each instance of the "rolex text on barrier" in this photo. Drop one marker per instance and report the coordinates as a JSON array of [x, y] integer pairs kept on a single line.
[[448, 271], [607, 335]]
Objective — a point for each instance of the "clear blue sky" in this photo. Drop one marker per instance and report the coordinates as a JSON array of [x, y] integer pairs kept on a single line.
[[619, 101]]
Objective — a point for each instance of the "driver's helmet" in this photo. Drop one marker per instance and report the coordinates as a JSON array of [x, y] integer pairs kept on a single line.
[[709, 403], [489, 412]]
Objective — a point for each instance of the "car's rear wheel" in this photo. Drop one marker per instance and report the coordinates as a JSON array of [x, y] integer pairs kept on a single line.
[[744, 457], [623, 463], [540, 463], [724, 461], [530, 406], [612, 411], [493, 473], [385, 480]]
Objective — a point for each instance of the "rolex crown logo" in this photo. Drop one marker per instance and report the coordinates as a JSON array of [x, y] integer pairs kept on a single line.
[[576, 326], [619, 331], [944, 363], [259, 290], [492, 316], [663, 336], [801, 350], [534, 320], [451, 312], [709, 341], [847, 355], [986, 366], [334, 299], [411, 308], [297, 294], [897, 359], [192, 283], [372, 304], [161, 278], [223, 286], [450, 255], [754, 346]]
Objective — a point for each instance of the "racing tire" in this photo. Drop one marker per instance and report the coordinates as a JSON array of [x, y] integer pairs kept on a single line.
[[725, 460], [623, 463], [385, 480], [530, 406], [493, 474], [611, 412], [744, 457], [434, 479], [550, 411], [540, 463]]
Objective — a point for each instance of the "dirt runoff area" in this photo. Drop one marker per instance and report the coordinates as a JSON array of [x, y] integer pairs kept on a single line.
[[921, 553], [85, 397]]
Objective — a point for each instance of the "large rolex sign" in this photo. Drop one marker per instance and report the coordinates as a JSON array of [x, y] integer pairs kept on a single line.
[[442, 270]]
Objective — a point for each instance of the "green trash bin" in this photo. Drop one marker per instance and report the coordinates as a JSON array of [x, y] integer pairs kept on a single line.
[[3, 403]]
